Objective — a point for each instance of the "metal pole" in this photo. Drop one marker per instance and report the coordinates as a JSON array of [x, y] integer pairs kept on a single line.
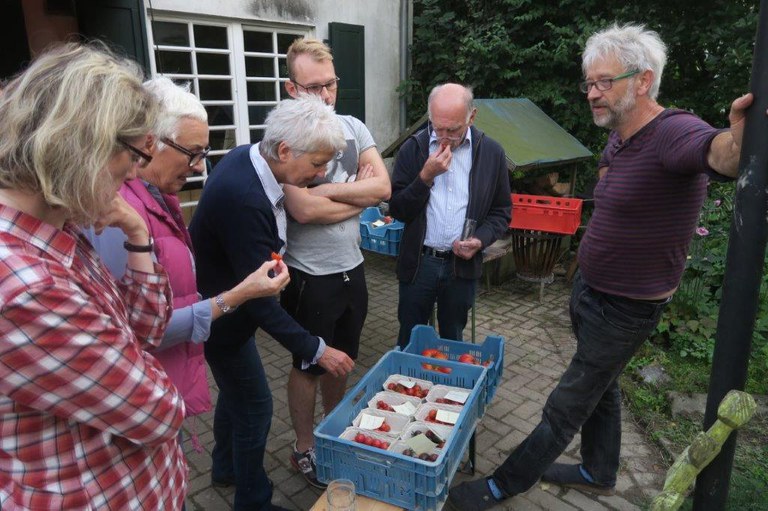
[[743, 273]]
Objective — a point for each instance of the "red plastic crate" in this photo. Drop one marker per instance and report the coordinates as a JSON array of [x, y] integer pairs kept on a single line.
[[547, 214]]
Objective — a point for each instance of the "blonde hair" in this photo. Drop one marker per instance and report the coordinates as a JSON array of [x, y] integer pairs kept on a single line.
[[315, 48], [61, 120]]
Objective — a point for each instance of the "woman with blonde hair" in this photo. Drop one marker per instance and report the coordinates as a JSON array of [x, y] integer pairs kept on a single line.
[[89, 419]]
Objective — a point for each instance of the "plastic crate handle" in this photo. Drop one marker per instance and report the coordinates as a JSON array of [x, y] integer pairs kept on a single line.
[[378, 459]]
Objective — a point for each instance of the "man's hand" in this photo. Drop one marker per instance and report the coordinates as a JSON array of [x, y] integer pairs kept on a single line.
[[725, 149], [438, 163], [467, 249], [336, 362], [737, 115], [365, 172]]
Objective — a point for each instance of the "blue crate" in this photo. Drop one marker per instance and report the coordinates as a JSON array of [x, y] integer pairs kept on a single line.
[[384, 239], [390, 476], [424, 337]]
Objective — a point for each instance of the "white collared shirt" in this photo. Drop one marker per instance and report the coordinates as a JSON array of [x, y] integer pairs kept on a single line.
[[274, 191], [449, 196]]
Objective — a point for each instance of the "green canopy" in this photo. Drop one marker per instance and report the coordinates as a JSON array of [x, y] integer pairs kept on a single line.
[[530, 137]]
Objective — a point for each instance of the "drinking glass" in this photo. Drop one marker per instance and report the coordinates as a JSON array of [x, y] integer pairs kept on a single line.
[[341, 495], [469, 229]]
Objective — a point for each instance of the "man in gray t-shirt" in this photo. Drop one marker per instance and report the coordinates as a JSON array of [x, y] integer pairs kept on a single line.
[[327, 294]]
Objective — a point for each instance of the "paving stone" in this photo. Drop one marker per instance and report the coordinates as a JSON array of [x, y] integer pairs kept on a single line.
[[539, 345], [581, 501]]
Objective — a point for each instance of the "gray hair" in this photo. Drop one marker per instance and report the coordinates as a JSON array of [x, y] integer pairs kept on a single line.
[[469, 97], [635, 48], [176, 103], [305, 125]]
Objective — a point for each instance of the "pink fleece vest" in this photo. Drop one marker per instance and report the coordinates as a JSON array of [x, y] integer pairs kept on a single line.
[[185, 362]]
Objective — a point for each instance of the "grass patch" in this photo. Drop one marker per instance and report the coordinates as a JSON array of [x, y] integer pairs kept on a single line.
[[649, 405]]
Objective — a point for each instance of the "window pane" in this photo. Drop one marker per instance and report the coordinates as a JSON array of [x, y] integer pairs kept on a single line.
[[170, 34], [215, 89], [259, 66], [210, 37], [257, 135], [173, 62], [214, 159], [257, 41], [222, 139], [283, 67], [261, 91], [284, 41], [220, 115], [212, 64], [257, 113]]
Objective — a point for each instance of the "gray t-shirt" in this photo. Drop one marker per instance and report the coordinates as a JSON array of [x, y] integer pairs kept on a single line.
[[332, 248]]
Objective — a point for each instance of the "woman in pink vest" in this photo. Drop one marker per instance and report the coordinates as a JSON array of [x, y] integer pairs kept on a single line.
[[181, 145]]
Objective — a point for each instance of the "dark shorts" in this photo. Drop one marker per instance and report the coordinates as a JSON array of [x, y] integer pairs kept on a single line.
[[330, 306]]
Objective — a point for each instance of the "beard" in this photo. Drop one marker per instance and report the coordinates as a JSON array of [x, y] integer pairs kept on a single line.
[[616, 114]]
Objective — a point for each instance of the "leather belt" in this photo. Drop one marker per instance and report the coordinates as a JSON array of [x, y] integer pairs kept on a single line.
[[442, 254]]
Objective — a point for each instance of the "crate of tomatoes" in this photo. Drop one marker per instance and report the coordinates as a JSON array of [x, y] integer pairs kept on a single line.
[[425, 341], [391, 473]]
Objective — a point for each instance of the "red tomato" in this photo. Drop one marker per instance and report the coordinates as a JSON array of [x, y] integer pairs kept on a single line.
[[467, 359], [360, 438]]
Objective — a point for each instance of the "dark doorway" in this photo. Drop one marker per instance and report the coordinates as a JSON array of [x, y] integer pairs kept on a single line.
[[13, 39]]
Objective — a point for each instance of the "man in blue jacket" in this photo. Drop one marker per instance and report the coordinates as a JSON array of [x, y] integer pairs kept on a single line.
[[239, 222], [444, 175]]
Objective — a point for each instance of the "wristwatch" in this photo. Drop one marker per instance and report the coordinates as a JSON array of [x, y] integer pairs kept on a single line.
[[223, 307], [130, 247]]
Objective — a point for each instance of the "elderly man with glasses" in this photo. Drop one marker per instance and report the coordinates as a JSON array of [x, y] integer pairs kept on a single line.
[[631, 260], [446, 175]]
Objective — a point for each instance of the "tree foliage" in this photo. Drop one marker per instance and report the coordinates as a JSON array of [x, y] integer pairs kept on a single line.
[[532, 48]]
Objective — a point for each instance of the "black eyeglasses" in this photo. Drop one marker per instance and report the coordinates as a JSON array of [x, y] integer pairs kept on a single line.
[[194, 157], [139, 156], [318, 88], [605, 83]]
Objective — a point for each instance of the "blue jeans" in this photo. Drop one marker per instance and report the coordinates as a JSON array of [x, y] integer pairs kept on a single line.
[[240, 425], [609, 329], [435, 281]]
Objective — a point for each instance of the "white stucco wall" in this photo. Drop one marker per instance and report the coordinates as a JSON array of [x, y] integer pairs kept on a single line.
[[381, 19]]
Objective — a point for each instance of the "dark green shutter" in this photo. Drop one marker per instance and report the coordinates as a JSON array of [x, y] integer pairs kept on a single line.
[[348, 45], [118, 22]]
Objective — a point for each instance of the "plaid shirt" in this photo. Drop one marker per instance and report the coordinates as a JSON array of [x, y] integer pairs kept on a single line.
[[88, 420]]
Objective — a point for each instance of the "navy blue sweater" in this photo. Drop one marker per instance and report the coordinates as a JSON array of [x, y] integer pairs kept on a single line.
[[489, 201], [234, 232]]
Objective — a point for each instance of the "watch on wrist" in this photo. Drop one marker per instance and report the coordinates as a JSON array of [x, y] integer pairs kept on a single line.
[[130, 247], [223, 307]]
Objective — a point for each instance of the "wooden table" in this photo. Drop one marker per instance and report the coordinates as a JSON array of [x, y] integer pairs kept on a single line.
[[363, 504]]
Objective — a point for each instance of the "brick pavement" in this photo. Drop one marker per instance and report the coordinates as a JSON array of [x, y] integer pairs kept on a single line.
[[539, 344]]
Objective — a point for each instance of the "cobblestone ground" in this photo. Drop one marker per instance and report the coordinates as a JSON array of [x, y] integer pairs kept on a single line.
[[539, 344]]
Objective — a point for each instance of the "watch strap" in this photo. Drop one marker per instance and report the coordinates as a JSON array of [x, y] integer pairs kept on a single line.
[[130, 247]]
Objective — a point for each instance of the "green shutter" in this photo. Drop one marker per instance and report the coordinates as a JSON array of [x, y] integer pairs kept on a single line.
[[118, 22], [348, 45]]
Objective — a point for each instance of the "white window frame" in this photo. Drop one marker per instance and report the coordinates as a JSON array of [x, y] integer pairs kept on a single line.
[[238, 79]]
